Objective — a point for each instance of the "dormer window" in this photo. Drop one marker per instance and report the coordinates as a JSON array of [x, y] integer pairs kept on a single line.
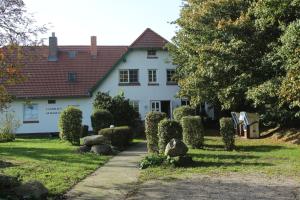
[[151, 54], [72, 77], [72, 54]]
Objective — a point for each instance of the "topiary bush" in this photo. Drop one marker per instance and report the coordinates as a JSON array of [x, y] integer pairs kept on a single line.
[[119, 137], [227, 132], [151, 129], [167, 130], [84, 131], [69, 124], [192, 131], [182, 111], [100, 119]]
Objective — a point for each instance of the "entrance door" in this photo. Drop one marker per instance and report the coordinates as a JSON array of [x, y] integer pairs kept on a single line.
[[166, 108]]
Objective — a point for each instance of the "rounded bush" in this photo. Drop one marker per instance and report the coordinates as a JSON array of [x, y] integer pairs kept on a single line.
[[70, 124], [182, 111], [100, 119], [167, 130], [227, 132], [119, 137], [151, 129], [193, 131]]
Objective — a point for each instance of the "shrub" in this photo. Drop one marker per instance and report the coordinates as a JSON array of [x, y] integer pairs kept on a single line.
[[193, 132], [151, 129], [102, 101], [101, 119], [152, 160], [119, 136], [8, 127], [167, 130], [227, 132], [182, 111], [70, 124], [84, 131]]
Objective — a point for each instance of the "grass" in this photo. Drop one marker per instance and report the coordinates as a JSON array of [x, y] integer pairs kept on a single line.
[[52, 162], [265, 156]]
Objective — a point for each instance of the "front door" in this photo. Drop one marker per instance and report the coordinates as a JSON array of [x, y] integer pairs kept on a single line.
[[166, 108]]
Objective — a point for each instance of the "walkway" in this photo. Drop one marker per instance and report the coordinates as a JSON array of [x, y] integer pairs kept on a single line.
[[114, 180]]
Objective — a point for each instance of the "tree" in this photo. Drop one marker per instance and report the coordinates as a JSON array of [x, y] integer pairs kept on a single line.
[[17, 30], [228, 53]]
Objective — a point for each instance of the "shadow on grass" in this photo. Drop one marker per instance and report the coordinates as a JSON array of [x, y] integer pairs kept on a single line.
[[4, 164], [222, 156], [225, 164]]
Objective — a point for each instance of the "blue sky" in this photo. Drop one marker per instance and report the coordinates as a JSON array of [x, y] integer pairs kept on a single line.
[[114, 22]]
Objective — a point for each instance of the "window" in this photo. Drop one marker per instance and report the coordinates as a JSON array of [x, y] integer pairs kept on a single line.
[[51, 101], [185, 102], [135, 105], [155, 106], [71, 76], [152, 76], [151, 54], [30, 113], [170, 76], [129, 76], [72, 54]]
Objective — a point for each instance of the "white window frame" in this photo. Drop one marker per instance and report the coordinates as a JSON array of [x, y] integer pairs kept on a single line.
[[34, 115], [155, 106], [128, 75], [151, 75], [170, 81], [135, 104], [150, 55]]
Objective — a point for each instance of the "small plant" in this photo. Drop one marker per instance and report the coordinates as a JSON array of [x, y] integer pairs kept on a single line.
[[9, 126], [193, 131], [151, 129], [101, 119], [119, 136], [167, 130], [227, 132], [183, 111], [70, 125], [152, 160]]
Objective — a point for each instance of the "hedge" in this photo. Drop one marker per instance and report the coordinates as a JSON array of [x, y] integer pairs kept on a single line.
[[70, 124], [151, 126], [119, 137], [193, 131], [100, 119], [167, 130], [182, 111], [227, 132]]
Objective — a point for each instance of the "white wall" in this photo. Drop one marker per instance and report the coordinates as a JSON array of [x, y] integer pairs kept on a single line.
[[137, 59]]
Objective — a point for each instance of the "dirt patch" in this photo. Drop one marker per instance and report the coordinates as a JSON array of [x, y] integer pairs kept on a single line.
[[225, 187]]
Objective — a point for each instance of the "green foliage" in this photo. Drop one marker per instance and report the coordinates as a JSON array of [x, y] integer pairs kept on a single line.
[[193, 131], [119, 137], [151, 129], [8, 127], [152, 160], [167, 130], [227, 132], [84, 131], [101, 119], [70, 124], [102, 101], [182, 111], [226, 50]]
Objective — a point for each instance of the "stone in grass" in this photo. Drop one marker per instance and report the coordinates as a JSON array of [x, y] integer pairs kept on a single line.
[[94, 140], [176, 148], [102, 149], [31, 190], [83, 149]]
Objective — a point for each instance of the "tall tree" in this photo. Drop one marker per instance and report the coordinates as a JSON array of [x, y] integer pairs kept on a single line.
[[17, 29]]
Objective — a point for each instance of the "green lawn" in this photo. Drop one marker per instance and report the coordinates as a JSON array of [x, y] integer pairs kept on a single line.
[[263, 155], [50, 161]]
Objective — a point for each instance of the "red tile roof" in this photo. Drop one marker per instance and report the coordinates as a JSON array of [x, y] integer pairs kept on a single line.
[[149, 39], [46, 79]]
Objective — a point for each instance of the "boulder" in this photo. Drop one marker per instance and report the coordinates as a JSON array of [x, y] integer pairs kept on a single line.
[[176, 148], [31, 190], [94, 140], [102, 149], [83, 149]]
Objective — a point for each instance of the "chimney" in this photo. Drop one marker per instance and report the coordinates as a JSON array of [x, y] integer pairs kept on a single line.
[[94, 46], [53, 50]]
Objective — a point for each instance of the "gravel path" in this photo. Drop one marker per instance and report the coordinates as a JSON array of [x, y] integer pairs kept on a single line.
[[229, 187]]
